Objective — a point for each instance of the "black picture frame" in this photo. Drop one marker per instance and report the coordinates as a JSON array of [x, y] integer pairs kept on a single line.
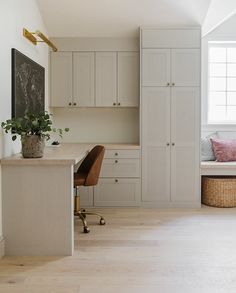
[[28, 85]]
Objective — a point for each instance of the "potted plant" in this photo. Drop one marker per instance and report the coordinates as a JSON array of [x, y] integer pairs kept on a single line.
[[33, 129]]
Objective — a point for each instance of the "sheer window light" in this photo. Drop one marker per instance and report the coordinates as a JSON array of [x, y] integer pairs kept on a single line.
[[222, 84]]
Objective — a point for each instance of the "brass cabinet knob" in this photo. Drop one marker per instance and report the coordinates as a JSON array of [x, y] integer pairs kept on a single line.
[[74, 104], [168, 84], [116, 154], [116, 180], [70, 104], [173, 84], [173, 143], [118, 104], [114, 104], [116, 161], [168, 144]]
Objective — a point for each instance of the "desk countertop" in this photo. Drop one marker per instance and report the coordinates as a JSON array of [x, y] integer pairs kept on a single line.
[[65, 154]]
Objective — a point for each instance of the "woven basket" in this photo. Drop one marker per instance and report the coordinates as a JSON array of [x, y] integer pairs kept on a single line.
[[219, 191]]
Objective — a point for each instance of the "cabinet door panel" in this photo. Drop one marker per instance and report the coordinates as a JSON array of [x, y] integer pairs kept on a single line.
[[117, 192], [171, 38], [83, 80], [185, 151], [106, 79], [128, 79], [61, 79], [185, 64], [155, 137], [86, 196], [155, 67]]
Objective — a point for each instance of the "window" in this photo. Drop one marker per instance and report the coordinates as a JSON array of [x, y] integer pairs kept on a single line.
[[222, 83]]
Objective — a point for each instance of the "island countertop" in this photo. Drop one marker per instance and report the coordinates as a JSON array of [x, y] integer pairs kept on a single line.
[[64, 154]]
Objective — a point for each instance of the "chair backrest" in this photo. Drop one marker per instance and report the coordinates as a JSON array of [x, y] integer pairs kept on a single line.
[[91, 165]]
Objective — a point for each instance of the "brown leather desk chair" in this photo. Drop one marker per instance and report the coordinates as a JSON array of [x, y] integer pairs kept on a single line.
[[87, 175]]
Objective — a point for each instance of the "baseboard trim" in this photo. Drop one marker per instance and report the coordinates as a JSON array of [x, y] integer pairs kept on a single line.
[[154, 204], [2, 247], [181, 205]]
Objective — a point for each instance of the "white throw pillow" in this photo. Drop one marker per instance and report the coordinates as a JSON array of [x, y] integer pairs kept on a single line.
[[207, 153]]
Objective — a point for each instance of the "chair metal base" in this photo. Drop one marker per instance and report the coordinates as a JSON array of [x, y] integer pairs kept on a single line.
[[83, 213]]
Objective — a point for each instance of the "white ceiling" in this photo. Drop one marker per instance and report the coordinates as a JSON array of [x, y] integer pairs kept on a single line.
[[117, 18], [218, 12]]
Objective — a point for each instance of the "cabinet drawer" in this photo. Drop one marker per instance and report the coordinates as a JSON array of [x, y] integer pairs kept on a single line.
[[130, 154], [120, 168], [117, 192]]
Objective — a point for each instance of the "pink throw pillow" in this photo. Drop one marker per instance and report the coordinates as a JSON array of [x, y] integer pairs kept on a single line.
[[224, 150]]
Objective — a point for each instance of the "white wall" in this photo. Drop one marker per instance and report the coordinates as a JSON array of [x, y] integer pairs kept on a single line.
[[14, 15], [225, 32], [99, 124]]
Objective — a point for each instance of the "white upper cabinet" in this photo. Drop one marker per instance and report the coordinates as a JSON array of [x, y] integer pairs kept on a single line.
[[94, 79], [106, 77], [61, 79], [171, 38], [155, 67], [83, 79], [171, 67], [117, 79], [128, 79], [72, 79], [185, 67]]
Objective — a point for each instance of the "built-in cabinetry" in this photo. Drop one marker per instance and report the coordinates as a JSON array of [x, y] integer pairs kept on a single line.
[[72, 79], [94, 79], [170, 116], [61, 80], [83, 79], [119, 182]]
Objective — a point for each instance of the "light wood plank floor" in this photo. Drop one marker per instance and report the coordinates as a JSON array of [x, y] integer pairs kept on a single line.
[[138, 251]]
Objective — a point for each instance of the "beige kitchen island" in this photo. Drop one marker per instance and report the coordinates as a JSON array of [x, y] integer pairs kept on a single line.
[[38, 200]]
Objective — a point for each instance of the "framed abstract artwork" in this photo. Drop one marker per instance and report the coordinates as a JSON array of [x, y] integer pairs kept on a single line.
[[28, 85]]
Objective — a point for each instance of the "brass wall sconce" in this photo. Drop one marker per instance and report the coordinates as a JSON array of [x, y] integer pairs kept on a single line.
[[31, 37]]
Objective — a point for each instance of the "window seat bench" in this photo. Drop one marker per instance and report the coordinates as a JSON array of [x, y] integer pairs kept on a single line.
[[218, 168]]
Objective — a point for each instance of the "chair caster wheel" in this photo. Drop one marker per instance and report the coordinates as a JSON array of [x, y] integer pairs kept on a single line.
[[102, 221], [86, 230]]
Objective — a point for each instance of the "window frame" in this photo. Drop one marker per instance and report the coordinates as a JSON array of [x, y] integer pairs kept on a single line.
[[216, 44]]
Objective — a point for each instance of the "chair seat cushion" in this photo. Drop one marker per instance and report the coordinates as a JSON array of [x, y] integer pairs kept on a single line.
[[79, 178]]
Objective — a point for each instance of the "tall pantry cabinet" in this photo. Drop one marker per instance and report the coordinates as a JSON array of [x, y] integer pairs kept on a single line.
[[170, 116]]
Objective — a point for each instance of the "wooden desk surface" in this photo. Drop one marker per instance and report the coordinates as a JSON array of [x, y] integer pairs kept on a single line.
[[65, 154]]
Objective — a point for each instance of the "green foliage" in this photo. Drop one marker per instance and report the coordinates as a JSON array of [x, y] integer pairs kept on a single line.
[[32, 124]]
